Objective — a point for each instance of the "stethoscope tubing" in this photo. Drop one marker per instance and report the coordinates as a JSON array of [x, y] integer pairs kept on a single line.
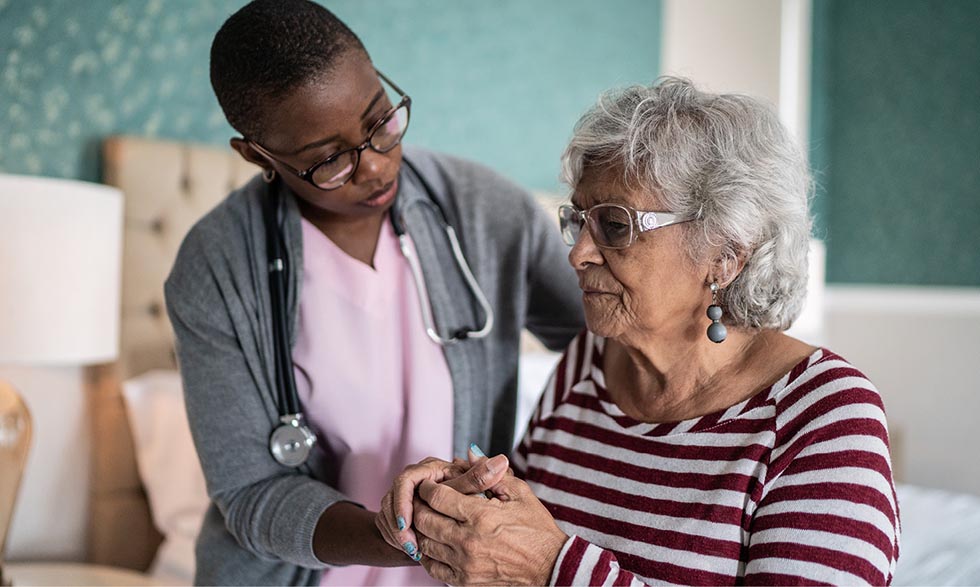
[[397, 223], [288, 401]]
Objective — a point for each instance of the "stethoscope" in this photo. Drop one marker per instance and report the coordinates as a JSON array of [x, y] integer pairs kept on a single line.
[[292, 440]]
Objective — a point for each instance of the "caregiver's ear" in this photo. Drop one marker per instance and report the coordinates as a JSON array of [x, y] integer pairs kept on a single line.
[[244, 148]]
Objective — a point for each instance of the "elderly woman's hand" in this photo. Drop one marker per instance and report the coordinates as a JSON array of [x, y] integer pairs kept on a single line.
[[395, 518], [509, 539]]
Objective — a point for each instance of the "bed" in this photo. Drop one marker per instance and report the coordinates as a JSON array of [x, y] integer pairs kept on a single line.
[[137, 409]]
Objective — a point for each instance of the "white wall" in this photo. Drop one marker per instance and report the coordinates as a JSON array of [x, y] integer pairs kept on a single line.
[[724, 45], [756, 47], [920, 348]]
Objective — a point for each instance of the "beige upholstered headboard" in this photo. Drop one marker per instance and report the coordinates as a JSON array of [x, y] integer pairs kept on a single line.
[[167, 187]]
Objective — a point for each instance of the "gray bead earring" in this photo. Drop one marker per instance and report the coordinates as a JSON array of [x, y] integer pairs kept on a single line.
[[716, 330]]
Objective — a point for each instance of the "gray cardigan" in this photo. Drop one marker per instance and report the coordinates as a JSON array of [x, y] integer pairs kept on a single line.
[[259, 528]]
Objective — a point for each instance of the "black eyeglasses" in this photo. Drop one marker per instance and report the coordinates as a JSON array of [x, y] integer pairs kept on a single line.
[[337, 169], [612, 226]]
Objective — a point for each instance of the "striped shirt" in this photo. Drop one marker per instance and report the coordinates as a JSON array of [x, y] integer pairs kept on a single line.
[[791, 486]]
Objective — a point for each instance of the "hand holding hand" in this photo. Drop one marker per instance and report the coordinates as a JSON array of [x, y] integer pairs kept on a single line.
[[509, 539], [395, 518]]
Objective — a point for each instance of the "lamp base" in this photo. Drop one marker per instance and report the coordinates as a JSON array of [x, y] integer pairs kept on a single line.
[[15, 440]]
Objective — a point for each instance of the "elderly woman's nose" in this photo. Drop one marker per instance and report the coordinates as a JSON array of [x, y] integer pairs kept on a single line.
[[584, 252]]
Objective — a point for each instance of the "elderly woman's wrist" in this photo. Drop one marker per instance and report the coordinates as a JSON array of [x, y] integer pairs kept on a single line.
[[557, 544]]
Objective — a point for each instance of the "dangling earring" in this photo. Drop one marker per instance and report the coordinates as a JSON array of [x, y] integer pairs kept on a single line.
[[716, 330], [268, 175]]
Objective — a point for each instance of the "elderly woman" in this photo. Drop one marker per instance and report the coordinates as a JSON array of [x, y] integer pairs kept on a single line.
[[683, 438]]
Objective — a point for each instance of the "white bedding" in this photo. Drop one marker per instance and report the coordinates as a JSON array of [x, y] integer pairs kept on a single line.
[[940, 542]]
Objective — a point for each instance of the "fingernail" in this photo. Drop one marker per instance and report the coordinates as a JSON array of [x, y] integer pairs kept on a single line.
[[410, 549], [401, 523], [476, 450]]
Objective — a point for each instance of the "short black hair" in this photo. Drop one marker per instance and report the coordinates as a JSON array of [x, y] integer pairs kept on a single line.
[[268, 49]]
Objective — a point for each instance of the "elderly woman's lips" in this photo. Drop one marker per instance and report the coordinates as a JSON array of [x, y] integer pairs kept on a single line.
[[590, 289]]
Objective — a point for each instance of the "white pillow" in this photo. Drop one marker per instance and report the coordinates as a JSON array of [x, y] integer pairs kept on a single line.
[[169, 468], [535, 368]]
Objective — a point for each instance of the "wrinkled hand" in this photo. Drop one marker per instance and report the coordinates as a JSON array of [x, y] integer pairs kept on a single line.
[[395, 518], [510, 539]]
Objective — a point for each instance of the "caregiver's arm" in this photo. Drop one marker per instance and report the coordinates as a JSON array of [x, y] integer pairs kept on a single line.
[[554, 303], [346, 535]]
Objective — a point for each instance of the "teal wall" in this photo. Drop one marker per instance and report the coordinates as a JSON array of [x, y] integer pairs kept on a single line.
[[501, 82], [895, 133], [73, 72]]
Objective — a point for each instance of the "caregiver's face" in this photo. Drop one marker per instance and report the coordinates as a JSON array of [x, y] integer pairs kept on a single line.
[[650, 287], [325, 117]]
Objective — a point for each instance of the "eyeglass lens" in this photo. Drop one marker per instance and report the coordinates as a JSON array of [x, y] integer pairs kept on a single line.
[[609, 224], [570, 223], [385, 137]]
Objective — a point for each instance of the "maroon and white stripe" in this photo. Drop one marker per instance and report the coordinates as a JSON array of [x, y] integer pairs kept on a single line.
[[792, 486]]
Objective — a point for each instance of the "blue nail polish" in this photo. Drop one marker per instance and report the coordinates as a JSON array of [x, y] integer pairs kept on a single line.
[[476, 450], [401, 523], [410, 549], [417, 556]]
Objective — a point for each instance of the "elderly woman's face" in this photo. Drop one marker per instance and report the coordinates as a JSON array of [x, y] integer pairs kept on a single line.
[[650, 287]]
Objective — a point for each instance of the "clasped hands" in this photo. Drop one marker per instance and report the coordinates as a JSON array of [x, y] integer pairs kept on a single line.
[[471, 523]]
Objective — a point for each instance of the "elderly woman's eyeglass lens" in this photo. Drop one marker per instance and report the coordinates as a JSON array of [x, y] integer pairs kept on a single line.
[[612, 226], [337, 169]]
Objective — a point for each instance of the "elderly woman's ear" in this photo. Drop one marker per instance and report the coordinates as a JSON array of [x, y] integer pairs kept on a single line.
[[726, 266]]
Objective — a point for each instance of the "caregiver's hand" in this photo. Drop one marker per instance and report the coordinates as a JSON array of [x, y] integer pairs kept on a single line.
[[510, 539], [395, 518]]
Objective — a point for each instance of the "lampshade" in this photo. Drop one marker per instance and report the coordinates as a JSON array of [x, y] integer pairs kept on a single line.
[[60, 258]]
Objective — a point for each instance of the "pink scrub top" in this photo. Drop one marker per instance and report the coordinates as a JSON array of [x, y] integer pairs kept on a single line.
[[375, 389]]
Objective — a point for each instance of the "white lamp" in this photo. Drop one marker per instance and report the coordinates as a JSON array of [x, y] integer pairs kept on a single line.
[[60, 259]]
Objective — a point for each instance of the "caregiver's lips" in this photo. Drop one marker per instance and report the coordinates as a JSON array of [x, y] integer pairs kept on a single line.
[[382, 196]]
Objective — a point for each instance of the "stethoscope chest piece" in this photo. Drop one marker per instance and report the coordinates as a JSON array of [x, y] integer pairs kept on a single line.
[[291, 441]]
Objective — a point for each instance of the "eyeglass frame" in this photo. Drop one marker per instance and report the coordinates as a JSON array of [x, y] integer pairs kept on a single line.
[[642, 221], [307, 174]]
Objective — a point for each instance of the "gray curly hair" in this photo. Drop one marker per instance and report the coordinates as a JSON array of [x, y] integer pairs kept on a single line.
[[724, 158]]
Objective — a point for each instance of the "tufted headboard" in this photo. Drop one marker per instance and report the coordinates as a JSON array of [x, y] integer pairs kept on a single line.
[[167, 187]]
